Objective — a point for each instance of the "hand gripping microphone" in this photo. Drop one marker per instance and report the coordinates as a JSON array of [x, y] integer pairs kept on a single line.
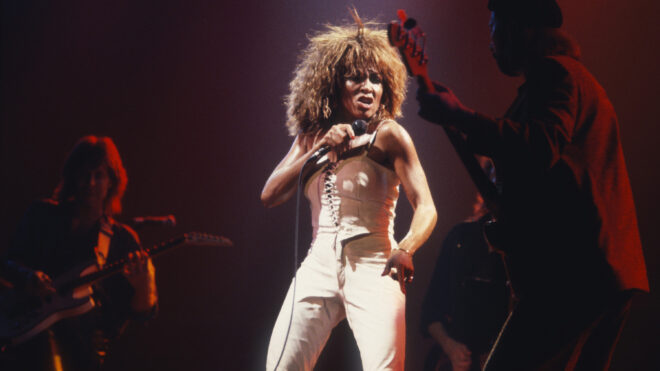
[[359, 127]]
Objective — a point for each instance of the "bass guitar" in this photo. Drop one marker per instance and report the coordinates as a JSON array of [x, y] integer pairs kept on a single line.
[[21, 318]]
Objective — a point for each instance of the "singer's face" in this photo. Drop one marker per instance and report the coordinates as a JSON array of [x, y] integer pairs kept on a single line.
[[361, 95]]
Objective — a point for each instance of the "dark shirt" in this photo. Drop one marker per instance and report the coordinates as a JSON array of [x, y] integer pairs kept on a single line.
[[468, 292], [567, 205], [44, 242]]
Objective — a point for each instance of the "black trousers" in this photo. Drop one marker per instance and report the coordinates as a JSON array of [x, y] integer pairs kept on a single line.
[[575, 332]]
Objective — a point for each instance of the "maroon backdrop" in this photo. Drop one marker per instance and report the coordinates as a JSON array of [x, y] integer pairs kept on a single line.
[[192, 94]]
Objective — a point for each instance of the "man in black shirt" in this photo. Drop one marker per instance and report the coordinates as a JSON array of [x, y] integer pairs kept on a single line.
[[567, 216]]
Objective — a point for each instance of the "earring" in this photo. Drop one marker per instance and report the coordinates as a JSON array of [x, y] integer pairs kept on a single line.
[[326, 108]]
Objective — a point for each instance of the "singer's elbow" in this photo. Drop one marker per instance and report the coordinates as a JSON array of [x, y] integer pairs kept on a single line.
[[268, 198]]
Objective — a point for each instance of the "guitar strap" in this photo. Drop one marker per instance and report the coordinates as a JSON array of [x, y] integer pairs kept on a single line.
[[103, 245]]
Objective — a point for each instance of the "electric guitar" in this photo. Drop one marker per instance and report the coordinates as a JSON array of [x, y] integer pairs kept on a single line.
[[21, 318]]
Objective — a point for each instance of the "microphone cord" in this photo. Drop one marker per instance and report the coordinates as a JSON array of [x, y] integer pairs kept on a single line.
[[295, 259]]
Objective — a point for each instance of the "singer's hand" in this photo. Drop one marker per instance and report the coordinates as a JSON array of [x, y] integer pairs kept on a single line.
[[400, 267], [337, 138]]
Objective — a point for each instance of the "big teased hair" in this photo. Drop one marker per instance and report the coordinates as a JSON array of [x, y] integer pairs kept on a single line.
[[90, 152], [330, 56]]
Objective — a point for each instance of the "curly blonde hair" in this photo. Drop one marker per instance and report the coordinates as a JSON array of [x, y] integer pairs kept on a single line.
[[331, 56]]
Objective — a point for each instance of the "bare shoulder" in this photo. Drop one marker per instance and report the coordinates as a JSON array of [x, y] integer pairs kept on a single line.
[[393, 137]]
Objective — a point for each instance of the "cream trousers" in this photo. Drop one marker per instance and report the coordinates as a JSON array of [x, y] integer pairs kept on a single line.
[[334, 283]]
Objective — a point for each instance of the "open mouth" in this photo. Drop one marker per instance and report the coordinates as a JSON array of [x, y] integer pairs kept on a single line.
[[366, 100]]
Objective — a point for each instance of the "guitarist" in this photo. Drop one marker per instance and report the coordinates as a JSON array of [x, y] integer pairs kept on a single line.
[[567, 214], [468, 297], [74, 227]]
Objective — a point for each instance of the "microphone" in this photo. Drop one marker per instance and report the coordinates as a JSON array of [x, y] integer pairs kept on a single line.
[[359, 127], [165, 221]]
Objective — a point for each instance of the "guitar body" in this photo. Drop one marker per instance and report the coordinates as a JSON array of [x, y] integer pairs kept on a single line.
[[23, 318]]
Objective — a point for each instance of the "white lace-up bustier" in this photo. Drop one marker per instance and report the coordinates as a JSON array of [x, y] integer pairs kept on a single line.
[[354, 196]]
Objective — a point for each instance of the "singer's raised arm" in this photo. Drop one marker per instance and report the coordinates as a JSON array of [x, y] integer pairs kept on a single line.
[[282, 182]]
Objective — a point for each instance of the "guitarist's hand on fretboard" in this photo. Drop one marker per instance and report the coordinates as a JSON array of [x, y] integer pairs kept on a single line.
[[141, 274]]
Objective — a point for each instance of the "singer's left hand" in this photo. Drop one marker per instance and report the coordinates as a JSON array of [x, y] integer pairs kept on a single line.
[[400, 267]]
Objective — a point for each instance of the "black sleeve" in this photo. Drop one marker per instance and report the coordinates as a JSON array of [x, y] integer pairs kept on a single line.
[[550, 105]]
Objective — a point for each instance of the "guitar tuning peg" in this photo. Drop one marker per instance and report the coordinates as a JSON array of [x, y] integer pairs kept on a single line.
[[422, 50], [399, 33], [410, 23]]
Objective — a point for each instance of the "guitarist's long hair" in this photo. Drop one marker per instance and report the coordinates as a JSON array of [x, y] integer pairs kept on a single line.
[[90, 152], [332, 55]]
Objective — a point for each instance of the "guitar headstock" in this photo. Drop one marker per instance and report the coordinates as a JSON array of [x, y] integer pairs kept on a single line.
[[206, 239], [409, 38]]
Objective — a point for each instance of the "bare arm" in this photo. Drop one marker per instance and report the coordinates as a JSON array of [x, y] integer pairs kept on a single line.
[[282, 182], [400, 150]]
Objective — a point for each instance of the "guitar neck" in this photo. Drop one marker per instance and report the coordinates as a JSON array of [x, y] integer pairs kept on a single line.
[[486, 188], [117, 265]]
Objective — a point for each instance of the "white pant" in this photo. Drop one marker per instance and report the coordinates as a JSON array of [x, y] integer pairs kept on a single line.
[[333, 284]]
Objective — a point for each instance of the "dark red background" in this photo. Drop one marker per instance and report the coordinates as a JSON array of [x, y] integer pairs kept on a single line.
[[192, 93]]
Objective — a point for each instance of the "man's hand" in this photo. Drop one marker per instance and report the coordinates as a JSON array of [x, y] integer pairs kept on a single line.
[[400, 267], [39, 284], [137, 268], [141, 274], [459, 354], [441, 106]]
